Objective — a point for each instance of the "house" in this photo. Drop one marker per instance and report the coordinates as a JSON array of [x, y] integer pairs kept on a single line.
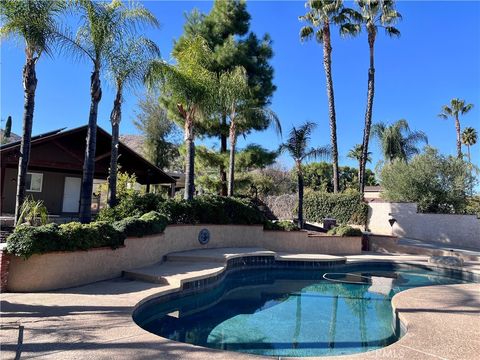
[[55, 169], [373, 193]]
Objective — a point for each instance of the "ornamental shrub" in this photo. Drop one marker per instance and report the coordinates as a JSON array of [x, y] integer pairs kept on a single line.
[[28, 240], [281, 225], [131, 204], [147, 224], [346, 208], [344, 230]]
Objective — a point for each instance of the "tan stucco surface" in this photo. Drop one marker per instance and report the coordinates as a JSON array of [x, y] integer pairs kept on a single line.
[[67, 269], [94, 322], [451, 230]]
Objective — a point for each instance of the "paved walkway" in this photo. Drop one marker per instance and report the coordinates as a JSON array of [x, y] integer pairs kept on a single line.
[[94, 322]]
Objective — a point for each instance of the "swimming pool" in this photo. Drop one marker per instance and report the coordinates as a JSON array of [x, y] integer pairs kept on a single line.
[[291, 312]]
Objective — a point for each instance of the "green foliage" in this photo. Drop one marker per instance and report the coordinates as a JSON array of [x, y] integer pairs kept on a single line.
[[346, 208], [28, 240], [160, 134], [280, 225], [319, 177], [211, 209], [437, 183], [32, 212], [8, 127], [473, 205], [131, 204], [344, 230], [147, 224]]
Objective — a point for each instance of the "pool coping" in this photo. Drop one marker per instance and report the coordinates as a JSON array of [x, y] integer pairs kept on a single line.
[[414, 345]]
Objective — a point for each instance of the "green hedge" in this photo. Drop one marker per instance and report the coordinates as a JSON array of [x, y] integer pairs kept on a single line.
[[344, 230], [147, 224], [283, 225], [28, 240], [346, 208]]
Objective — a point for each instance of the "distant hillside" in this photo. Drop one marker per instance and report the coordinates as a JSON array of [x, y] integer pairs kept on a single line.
[[134, 142], [13, 137]]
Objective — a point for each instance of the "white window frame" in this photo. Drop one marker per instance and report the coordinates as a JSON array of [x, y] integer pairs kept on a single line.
[[41, 182]]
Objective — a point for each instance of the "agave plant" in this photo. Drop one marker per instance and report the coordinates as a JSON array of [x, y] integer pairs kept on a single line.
[[32, 212]]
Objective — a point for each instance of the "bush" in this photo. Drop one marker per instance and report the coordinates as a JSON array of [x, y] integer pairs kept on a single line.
[[281, 225], [437, 183], [346, 208], [344, 230], [211, 209], [131, 204], [28, 240], [147, 224]]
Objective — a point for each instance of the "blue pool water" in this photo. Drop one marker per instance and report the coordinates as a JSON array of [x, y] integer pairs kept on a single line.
[[291, 312]]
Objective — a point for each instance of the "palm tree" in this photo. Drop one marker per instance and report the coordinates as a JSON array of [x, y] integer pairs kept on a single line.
[[322, 13], [188, 90], [457, 107], [296, 146], [127, 65], [35, 22], [103, 25], [397, 141], [235, 100], [356, 153], [469, 138], [373, 14]]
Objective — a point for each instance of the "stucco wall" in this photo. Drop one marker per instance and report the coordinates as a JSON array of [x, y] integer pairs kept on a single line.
[[454, 230], [67, 269]]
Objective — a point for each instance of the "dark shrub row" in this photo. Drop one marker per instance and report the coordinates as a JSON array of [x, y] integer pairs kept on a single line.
[[28, 240], [344, 230], [281, 225]]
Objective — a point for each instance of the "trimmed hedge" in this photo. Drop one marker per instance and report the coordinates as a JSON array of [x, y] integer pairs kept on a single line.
[[344, 230], [346, 208], [281, 226], [28, 240], [147, 224]]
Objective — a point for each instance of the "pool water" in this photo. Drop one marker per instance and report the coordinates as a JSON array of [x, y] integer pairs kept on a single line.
[[291, 312]]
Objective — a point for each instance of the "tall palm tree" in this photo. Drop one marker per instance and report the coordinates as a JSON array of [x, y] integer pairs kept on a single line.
[[127, 65], [456, 108], [297, 147], [188, 90], [469, 138], [356, 153], [320, 14], [35, 23], [397, 141], [373, 14], [235, 100], [103, 24]]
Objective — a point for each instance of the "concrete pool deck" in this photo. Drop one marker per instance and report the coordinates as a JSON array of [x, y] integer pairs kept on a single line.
[[94, 321]]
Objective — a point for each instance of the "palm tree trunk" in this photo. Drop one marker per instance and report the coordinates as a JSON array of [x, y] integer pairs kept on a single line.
[[327, 63], [223, 150], [231, 168], [89, 161], [459, 139], [300, 196], [115, 118], [369, 110], [189, 159], [29, 87], [468, 153]]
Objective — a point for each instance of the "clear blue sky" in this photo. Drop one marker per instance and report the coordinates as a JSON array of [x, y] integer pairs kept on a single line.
[[436, 58]]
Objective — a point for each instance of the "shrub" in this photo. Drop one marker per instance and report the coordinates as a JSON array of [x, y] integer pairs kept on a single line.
[[281, 225], [28, 240], [131, 204], [346, 208], [147, 224], [344, 230]]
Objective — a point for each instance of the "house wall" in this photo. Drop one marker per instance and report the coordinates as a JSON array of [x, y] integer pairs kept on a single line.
[[66, 269], [51, 195], [453, 230]]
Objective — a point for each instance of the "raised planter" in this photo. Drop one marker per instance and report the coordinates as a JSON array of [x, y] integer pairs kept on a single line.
[[66, 269]]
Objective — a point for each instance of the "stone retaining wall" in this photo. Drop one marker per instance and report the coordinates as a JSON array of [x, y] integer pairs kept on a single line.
[[66, 269]]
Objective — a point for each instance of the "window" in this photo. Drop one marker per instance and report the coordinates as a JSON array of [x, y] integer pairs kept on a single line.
[[34, 182]]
